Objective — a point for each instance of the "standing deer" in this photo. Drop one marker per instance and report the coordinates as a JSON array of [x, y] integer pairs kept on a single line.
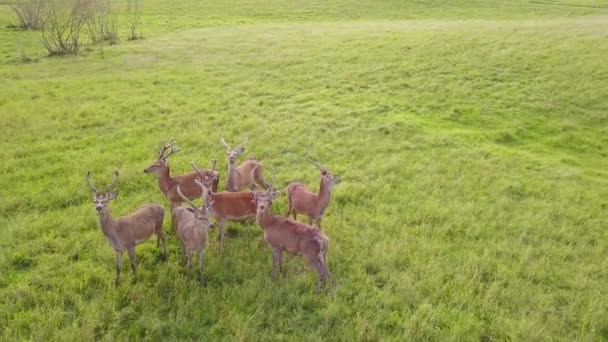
[[299, 199], [191, 225], [241, 177], [285, 235], [168, 184], [128, 231], [227, 206]]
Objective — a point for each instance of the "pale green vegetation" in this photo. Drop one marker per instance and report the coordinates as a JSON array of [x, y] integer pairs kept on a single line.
[[471, 138]]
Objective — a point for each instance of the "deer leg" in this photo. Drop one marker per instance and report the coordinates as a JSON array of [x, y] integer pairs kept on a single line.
[[118, 268], [323, 263], [182, 252], [314, 263], [160, 238], [276, 255], [131, 252], [281, 261], [309, 220], [189, 262], [319, 222], [201, 258], [222, 233], [295, 217]]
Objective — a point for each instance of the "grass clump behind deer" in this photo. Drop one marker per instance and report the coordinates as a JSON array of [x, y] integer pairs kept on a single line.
[[126, 232]]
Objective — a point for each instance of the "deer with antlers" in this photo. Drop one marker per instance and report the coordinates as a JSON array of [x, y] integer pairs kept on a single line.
[[125, 233], [299, 199], [226, 206], [168, 184], [285, 235], [191, 225], [242, 177]]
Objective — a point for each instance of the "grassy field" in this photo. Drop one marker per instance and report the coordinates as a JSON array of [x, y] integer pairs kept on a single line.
[[471, 137]]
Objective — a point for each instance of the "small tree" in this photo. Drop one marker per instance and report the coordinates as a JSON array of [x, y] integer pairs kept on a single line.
[[134, 9], [102, 25], [62, 24], [28, 13]]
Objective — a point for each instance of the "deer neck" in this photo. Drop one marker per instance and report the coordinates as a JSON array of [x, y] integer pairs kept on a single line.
[[108, 224], [164, 179], [265, 219], [324, 193], [231, 174]]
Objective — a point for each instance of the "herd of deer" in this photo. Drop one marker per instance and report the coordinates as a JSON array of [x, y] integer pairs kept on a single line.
[[191, 223]]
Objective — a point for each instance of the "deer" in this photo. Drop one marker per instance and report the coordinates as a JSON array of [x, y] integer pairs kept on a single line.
[[168, 184], [226, 206], [285, 235], [300, 199], [241, 177], [126, 232], [192, 225]]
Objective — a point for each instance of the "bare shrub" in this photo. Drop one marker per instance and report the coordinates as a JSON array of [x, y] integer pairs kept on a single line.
[[134, 8], [102, 25], [62, 25], [28, 12]]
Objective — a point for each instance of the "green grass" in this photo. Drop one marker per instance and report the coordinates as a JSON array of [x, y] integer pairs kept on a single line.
[[471, 137]]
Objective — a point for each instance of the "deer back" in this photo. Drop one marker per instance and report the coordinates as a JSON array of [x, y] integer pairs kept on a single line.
[[233, 205], [140, 225], [189, 230], [294, 237]]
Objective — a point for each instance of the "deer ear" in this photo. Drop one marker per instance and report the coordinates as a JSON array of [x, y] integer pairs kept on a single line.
[[240, 151], [114, 195], [275, 194], [209, 205]]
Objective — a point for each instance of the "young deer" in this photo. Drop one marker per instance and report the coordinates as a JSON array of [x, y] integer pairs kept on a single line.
[[128, 231], [191, 225], [168, 184], [241, 177], [227, 206], [285, 235], [299, 199]]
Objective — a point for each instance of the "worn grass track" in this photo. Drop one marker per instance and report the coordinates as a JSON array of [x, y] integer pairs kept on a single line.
[[472, 143]]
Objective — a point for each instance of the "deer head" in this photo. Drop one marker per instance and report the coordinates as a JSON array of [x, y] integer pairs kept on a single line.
[[206, 178], [162, 162], [201, 214], [326, 176], [236, 152], [101, 199], [263, 199]]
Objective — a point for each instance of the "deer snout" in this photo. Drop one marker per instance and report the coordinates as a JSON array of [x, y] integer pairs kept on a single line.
[[212, 226], [99, 208]]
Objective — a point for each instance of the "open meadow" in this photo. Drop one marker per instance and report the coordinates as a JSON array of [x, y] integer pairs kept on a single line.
[[471, 137]]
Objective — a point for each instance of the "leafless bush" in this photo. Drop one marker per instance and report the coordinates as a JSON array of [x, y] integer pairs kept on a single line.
[[28, 12], [134, 9], [62, 25], [102, 25]]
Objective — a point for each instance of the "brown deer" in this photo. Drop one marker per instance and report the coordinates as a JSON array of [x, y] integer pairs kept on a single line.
[[299, 199], [227, 206], [128, 231], [191, 225], [168, 184], [241, 177], [285, 235]]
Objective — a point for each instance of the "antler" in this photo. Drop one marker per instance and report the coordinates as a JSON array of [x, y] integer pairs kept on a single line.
[[243, 143], [88, 178], [213, 161], [319, 166], [164, 149], [274, 174], [113, 182], [227, 146], [200, 172], [185, 199]]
